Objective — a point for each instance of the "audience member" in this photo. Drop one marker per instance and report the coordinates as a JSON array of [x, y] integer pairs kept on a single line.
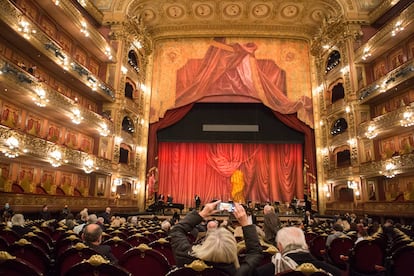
[[92, 236], [18, 225], [45, 213], [169, 199], [308, 219], [7, 212], [197, 200], [219, 248], [293, 251], [166, 225], [107, 215], [64, 213], [337, 231], [271, 224]]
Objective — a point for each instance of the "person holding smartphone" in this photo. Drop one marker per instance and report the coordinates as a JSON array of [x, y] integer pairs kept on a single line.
[[219, 249]]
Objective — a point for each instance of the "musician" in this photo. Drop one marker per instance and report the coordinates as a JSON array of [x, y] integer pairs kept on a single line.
[[197, 200]]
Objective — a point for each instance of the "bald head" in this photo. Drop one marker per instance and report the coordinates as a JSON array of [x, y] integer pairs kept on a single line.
[[268, 209], [92, 233]]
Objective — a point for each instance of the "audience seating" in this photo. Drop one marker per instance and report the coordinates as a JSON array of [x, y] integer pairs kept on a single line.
[[402, 261], [72, 256], [339, 250], [97, 265], [30, 253], [164, 246], [38, 241], [137, 239], [305, 269], [9, 235], [144, 261], [14, 266], [196, 268], [3, 244], [318, 246], [118, 246], [65, 243], [367, 257]]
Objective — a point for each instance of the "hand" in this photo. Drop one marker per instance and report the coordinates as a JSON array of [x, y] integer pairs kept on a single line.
[[240, 214], [209, 209]]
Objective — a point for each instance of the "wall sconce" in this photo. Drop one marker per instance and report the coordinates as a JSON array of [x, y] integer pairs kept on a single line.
[[352, 184], [103, 130], [84, 29], [408, 118], [366, 53], [12, 147], [371, 131], [118, 181], [56, 158], [397, 28], [124, 70], [357, 194], [76, 116], [88, 165], [40, 98], [24, 28], [326, 191], [108, 52], [389, 169], [118, 140]]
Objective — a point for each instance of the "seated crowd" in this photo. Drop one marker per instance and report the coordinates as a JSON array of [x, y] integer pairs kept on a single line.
[[235, 246]]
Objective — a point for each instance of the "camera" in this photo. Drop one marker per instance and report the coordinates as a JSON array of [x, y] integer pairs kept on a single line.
[[225, 206]]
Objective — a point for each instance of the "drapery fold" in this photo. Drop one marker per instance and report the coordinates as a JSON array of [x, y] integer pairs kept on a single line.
[[271, 172]]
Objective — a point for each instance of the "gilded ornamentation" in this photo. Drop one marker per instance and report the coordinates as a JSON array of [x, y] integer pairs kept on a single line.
[[198, 265], [4, 256], [97, 260]]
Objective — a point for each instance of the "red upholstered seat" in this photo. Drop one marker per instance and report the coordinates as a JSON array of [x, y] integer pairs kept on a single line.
[[164, 246], [137, 239], [3, 244], [9, 235], [96, 265], [402, 261], [118, 246], [30, 253], [318, 247], [305, 269], [144, 261], [65, 243], [14, 266], [367, 257], [339, 250], [72, 256]]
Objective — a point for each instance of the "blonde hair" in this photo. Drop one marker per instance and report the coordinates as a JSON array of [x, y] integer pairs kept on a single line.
[[220, 246]]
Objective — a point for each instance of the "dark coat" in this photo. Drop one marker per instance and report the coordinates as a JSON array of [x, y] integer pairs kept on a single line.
[[181, 246], [270, 227], [104, 251]]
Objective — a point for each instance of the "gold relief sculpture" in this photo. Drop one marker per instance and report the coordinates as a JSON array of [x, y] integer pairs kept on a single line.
[[237, 181]]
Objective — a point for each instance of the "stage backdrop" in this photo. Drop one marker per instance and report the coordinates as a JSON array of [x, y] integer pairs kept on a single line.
[[226, 171], [274, 72]]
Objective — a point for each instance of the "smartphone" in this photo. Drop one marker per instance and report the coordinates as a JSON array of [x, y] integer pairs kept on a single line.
[[225, 206]]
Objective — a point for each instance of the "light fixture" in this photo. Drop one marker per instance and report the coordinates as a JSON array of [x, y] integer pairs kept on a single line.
[[76, 116], [118, 181], [366, 53], [389, 169], [12, 147], [371, 132], [397, 28], [408, 118], [88, 165], [24, 28], [352, 142], [352, 184], [55, 158], [108, 52], [84, 29], [40, 98], [103, 130], [124, 70]]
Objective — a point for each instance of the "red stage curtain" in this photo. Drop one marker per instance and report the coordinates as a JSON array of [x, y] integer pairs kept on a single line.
[[171, 117], [271, 172]]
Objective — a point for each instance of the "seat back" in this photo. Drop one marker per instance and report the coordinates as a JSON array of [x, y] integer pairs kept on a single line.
[[14, 266], [137, 239], [72, 256], [9, 235], [318, 247], [402, 261], [305, 269], [3, 244], [339, 251], [367, 257], [144, 261], [164, 246], [31, 254], [118, 246], [96, 265], [196, 268], [65, 243]]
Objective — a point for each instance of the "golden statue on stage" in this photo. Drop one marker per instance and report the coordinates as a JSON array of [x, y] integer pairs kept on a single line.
[[237, 182]]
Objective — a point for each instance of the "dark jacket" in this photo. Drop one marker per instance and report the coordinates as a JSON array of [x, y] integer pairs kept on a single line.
[[299, 258], [270, 227], [182, 247]]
